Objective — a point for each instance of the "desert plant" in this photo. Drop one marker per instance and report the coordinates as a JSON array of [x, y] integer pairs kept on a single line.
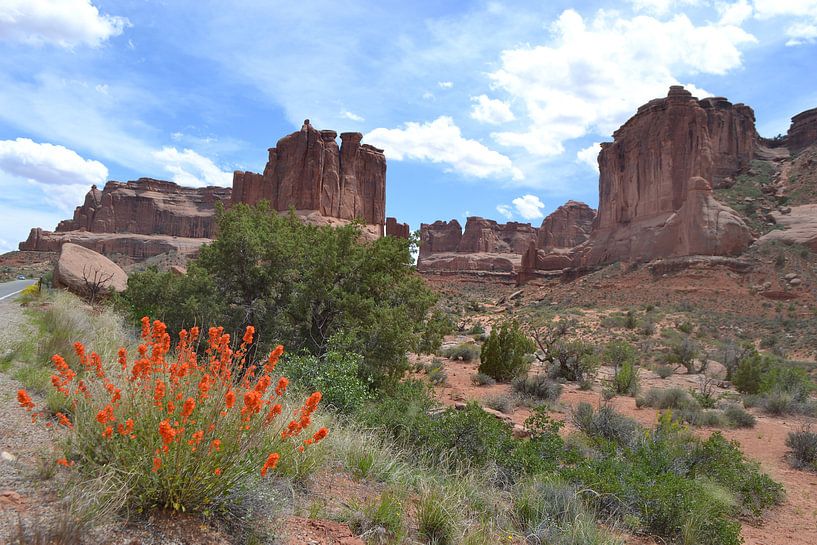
[[464, 352], [605, 423], [803, 445], [539, 386], [188, 432], [625, 381], [481, 379], [502, 403], [434, 521], [575, 360], [381, 521], [684, 353], [738, 417], [506, 353], [663, 371], [669, 398]]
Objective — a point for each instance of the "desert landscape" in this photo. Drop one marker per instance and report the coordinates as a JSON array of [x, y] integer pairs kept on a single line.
[[282, 357]]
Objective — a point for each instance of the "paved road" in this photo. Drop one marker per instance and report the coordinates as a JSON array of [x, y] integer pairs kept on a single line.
[[9, 289]]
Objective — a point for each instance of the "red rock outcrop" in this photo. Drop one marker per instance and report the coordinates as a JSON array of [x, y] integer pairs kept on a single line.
[[566, 227], [655, 199], [395, 229], [148, 207], [803, 131], [84, 271], [137, 219], [307, 170], [439, 237]]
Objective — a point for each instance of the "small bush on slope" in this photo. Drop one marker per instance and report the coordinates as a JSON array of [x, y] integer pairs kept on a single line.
[[803, 445], [507, 352], [178, 432]]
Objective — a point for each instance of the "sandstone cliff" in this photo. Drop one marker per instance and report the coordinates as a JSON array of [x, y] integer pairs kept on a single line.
[[307, 170], [655, 195], [803, 131]]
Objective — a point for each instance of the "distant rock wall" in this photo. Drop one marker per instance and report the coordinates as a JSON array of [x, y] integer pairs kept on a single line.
[[803, 131], [307, 170]]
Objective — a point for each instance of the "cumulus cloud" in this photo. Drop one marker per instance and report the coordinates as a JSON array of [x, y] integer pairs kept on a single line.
[[191, 169], [801, 33], [49, 164], [589, 155], [441, 141], [529, 207], [346, 114], [505, 211], [66, 23], [595, 73], [660, 7], [445, 84], [802, 14], [491, 110]]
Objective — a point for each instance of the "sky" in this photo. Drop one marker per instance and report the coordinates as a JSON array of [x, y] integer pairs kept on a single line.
[[485, 108]]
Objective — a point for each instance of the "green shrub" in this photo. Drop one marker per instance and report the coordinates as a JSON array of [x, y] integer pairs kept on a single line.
[[625, 381], [685, 327], [481, 379], [669, 398], [464, 352], [605, 423], [574, 361], [437, 326], [300, 284], [384, 519], [748, 376], [335, 374], [663, 371], [684, 353], [506, 353], [803, 445], [539, 386], [738, 417]]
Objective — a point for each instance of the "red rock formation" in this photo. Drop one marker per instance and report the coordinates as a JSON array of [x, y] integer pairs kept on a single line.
[[394, 229], [308, 171], [138, 219], [654, 197], [803, 131], [439, 237], [148, 207], [566, 227]]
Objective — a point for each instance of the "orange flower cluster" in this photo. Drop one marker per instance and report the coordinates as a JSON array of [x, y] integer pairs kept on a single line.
[[191, 400]]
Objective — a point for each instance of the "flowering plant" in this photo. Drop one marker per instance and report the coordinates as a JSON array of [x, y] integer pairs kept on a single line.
[[181, 431]]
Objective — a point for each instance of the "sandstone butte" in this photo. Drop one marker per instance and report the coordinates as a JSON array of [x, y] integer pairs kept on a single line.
[[307, 171], [655, 196]]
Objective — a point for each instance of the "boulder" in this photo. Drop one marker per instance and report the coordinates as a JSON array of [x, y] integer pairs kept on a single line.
[[799, 227], [87, 272]]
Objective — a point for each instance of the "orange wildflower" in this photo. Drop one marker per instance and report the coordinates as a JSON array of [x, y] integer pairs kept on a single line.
[[320, 434], [123, 358], [205, 384], [167, 432], [273, 412], [229, 399], [108, 432], [252, 404], [215, 445], [272, 361], [282, 386], [159, 392], [262, 384], [65, 462], [105, 415], [145, 327], [157, 463], [272, 461], [127, 428], [64, 420], [188, 407], [217, 471], [248, 334], [24, 400]]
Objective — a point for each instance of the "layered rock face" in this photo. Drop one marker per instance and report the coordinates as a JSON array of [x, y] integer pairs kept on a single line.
[[803, 131], [395, 229], [307, 170], [484, 245], [655, 195], [568, 226], [148, 207], [138, 219]]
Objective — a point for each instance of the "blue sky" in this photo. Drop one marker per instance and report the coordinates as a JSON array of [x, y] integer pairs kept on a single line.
[[484, 108]]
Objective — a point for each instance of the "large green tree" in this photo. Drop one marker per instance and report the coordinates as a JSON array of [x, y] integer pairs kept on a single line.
[[300, 285]]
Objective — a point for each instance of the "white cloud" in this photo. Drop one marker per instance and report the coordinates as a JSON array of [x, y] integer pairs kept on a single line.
[[49, 164], [441, 141], [505, 211], [445, 84], [595, 73], [802, 14], [491, 110], [66, 23], [801, 33], [346, 114], [191, 169], [735, 13], [661, 7], [529, 207], [589, 155]]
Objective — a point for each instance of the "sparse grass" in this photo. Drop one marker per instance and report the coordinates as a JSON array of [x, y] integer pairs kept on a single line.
[[503, 403], [462, 352], [664, 371], [435, 524], [803, 445], [738, 417], [539, 386], [481, 379], [381, 522]]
